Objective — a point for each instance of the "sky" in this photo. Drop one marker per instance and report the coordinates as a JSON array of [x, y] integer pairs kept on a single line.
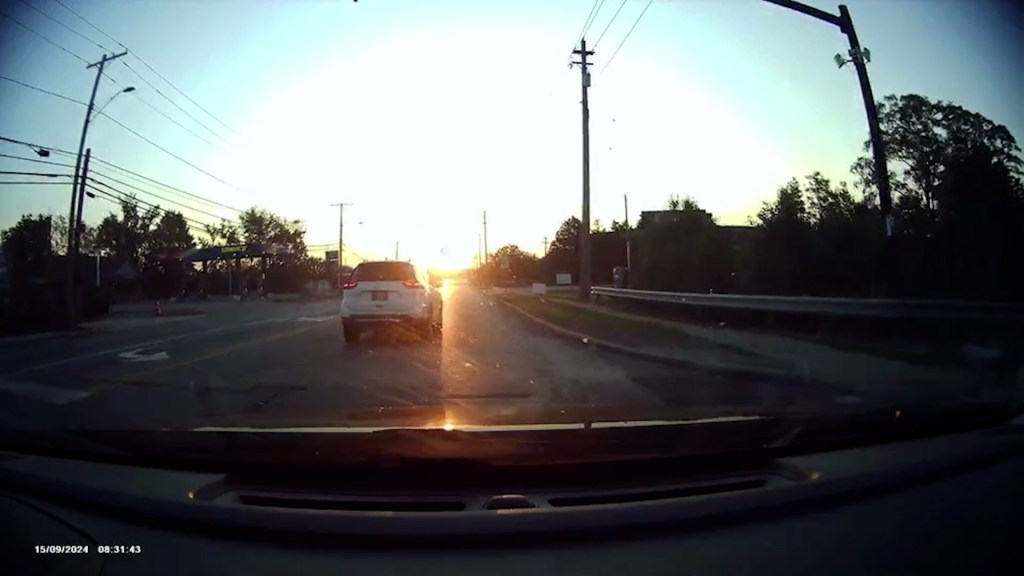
[[424, 115]]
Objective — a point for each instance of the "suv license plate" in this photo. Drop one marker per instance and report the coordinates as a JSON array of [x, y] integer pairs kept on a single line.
[[379, 295]]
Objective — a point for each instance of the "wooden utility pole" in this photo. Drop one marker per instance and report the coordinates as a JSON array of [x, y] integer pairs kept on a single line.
[[629, 254], [69, 292], [341, 237], [485, 236], [584, 239], [77, 223]]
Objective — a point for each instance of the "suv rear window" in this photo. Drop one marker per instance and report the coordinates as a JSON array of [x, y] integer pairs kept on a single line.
[[383, 271]]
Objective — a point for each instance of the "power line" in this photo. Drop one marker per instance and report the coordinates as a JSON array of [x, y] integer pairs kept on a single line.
[[23, 25], [41, 174], [157, 196], [119, 123], [31, 182], [44, 91], [65, 26], [626, 37], [175, 104], [171, 154], [609, 24], [37, 160], [93, 26], [122, 169], [590, 19], [115, 82], [167, 187], [165, 115], [151, 69], [159, 111], [132, 197]]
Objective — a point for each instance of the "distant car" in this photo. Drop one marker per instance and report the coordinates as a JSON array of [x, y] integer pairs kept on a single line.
[[389, 293]]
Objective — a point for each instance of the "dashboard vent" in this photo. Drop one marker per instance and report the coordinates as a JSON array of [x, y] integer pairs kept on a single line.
[[658, 494], [352, 504]]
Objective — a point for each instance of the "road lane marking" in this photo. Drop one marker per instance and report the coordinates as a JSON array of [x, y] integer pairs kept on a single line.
[[216, 352], [138, 355], [135, 345]]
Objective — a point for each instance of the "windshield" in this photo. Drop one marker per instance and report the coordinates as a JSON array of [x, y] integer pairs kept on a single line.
[[354, 216]]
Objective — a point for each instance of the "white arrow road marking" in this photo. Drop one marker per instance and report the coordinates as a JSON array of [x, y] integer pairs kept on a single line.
[[137, 356]]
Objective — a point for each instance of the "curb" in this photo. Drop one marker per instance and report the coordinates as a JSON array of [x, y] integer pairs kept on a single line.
[[580, 338]]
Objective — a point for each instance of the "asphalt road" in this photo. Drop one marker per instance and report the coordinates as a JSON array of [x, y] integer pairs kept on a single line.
[[285, 364]]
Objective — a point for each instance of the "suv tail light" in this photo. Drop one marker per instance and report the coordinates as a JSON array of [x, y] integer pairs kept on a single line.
[[349, 284], [412, 284]]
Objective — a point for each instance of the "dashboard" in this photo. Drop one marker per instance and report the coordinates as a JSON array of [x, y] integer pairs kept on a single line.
[[949, 504]]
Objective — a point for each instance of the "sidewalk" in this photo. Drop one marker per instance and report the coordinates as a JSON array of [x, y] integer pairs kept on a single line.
[[849, 371]]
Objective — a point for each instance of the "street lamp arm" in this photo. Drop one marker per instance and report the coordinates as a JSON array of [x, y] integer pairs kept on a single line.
[[808, 10], [109, 100]]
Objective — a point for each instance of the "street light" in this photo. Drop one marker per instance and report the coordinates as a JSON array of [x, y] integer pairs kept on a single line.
[[111, 99]]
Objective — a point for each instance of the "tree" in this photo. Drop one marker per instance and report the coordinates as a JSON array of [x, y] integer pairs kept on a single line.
[[225, 232], [619, 226], [845, 250], [596, 227], [568, 236], [127, 237], [522, 266], [563, 254], [171, 233], [688, 253], [260, 226], [781, 259], [29, 244], [675, 202], [980, 217], [922, 137]]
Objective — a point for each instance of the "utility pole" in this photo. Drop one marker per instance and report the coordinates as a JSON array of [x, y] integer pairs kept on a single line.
[[545, 245], [396, 250], [479, 250], [70, 279], [81, 202], [341, 237], [629, 254], [485, 236], [584, 240]]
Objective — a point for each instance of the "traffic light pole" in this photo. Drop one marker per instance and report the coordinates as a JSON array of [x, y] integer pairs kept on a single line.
[[845, 24]]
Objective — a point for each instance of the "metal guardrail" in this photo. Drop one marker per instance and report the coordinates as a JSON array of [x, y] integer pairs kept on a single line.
[[861, 307]]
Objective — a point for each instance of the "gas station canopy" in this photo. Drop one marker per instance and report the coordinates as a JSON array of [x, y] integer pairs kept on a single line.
[[222, 252]]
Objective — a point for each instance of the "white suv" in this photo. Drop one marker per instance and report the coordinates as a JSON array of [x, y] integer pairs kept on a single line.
[[387, 293]]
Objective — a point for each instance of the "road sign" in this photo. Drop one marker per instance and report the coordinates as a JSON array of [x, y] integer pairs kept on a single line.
[[331, 256]]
